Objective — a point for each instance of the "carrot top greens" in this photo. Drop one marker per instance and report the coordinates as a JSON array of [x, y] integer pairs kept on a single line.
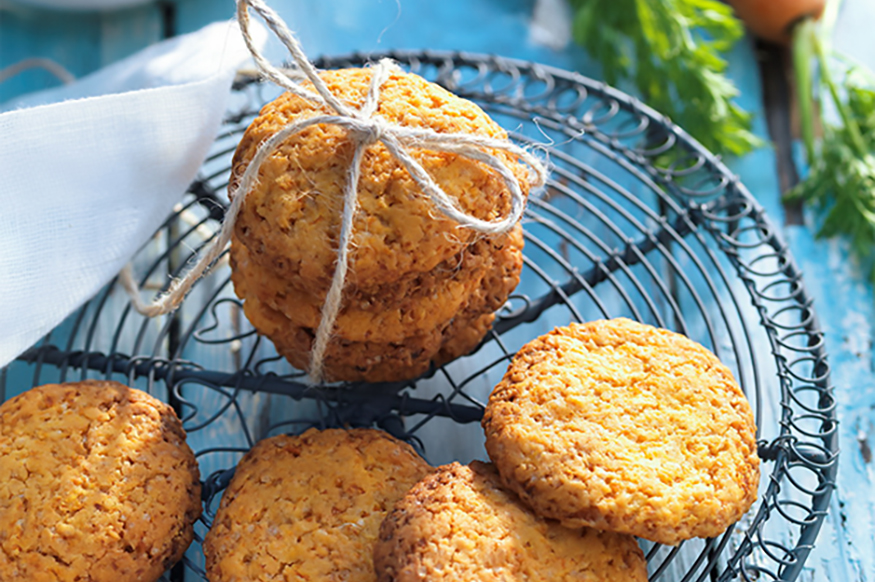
[[671, 51], [841, 178]]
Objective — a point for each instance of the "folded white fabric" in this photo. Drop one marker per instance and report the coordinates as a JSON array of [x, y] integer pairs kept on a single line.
[[90, 170]]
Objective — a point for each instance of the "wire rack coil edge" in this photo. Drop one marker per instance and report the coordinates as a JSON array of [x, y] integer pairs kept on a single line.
[[635, 207]]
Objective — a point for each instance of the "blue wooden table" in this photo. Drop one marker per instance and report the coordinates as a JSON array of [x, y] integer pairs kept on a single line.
[[85, 41]]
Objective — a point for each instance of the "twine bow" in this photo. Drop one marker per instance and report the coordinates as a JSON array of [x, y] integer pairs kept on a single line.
[[364, 128]]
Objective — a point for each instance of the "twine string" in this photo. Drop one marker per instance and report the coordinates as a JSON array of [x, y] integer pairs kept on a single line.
[[364, 127]]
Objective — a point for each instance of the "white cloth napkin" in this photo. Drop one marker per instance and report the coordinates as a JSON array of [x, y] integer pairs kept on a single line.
[[90, 170]]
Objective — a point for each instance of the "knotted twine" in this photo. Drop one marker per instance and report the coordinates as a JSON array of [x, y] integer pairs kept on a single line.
[[364, 128]]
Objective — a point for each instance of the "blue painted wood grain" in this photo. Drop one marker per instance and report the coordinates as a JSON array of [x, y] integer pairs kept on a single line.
[[81, 42], [845, 304]]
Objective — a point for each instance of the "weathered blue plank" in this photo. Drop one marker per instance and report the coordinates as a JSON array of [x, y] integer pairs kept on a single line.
[[846, 308], [81, 42], [70, 40], [124, 32], [845, 304], [343, 26]]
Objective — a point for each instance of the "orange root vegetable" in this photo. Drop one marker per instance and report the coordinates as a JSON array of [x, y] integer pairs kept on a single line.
[[773, 20]]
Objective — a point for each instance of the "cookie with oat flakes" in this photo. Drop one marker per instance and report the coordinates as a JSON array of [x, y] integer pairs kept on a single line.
[[460, 524], [390, 348], [309, 507], [97, 484], [294, 211], [625, 427], [397, 311]]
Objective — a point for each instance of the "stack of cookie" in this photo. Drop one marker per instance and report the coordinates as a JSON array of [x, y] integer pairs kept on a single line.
[[421, 291]]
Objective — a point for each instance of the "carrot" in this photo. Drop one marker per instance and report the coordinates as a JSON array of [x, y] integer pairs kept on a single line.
[[773, 20]]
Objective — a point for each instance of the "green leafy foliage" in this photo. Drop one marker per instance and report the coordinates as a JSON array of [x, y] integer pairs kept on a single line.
[[841, 180], [671, 50]]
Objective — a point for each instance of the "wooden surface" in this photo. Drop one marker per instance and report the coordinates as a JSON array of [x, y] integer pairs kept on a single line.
[[82, 42]]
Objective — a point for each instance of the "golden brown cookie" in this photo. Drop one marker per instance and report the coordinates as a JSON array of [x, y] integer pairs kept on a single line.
[[422, 304], [461, 525], [309, 507], [371, 361], [470, 263], [385, 361], [346, 360], [294, 212], [97, 484], [363, 317], [625, 427]]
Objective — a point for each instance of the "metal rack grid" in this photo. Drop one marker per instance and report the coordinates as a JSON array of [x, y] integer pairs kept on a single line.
[[638, 220]]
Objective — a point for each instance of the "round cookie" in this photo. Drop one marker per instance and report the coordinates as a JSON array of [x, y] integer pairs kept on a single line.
[[625, 427], [470, 263], [309, 507], [362, 317], [385, 360], [425, 303], [371, 361], [352, 361], [97, 484], [291, 218], [460, 524]]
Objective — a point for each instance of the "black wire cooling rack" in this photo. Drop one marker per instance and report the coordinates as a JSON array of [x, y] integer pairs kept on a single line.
[[638, 220]]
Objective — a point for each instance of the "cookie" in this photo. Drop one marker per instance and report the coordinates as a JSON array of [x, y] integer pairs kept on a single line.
[[472, 262], [97, 484], [419, 305], [460, 524], [371, 361], [381, 360], [293, 213], [625, 427], [309, 507]]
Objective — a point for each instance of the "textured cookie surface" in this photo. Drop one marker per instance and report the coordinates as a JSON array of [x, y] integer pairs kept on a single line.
[[416, 305], [291, 219], [96, 484], [309, 507], [461, 525], [391, 345], [625, 427], [368, 361]]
